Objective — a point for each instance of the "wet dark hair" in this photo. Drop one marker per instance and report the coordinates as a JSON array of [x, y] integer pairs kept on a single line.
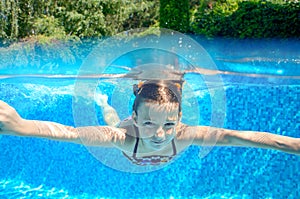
[[166, 91]]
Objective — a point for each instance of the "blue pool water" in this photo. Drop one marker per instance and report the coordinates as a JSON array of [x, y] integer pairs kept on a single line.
[[39, 168]]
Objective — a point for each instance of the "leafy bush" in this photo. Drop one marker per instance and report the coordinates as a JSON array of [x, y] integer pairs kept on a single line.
[[55, 29], [98, 18], [175, 15], [248, 19], [80, 18]]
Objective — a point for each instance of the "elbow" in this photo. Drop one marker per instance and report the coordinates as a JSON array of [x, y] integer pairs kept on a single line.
[[292, 146], [297, 146]]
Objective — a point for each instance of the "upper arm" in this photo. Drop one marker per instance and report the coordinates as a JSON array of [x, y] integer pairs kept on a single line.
[[208, 136], [111, 116]]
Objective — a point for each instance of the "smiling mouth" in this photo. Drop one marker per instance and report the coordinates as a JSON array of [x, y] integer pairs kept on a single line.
[[158, 142]]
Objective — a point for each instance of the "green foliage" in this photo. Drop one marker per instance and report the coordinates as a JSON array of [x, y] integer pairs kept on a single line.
[[81, 19], [142, 14], [175, 15], [48, 27], [248, 19]]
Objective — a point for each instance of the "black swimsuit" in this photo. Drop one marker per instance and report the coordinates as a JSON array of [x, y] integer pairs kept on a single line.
[[152, 159]]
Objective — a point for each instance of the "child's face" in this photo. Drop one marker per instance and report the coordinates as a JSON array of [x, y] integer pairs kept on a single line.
[[157, 123]]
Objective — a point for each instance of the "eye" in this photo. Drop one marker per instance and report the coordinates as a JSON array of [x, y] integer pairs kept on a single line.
[[148, 124], [170, 124]]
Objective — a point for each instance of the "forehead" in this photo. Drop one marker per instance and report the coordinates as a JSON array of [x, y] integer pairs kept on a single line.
[[152, 110]]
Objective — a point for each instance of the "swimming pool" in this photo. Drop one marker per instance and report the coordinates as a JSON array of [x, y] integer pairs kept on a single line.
[[38, 168]]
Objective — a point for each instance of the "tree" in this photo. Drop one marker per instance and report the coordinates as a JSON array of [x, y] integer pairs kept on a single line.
[[175, 15]]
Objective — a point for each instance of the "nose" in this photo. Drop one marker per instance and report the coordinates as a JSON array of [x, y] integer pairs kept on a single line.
[[160, 133]]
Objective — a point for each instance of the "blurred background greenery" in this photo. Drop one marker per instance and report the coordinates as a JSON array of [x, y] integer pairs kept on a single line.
[[61, 19], [52, 26]]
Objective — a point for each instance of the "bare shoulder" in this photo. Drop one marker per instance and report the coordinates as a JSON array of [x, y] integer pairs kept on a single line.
[[127, 126], [186, 132], [126, 122]]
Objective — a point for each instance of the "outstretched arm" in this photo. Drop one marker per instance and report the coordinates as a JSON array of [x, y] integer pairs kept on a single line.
[[12, 124], [202, 135], [110, 115]]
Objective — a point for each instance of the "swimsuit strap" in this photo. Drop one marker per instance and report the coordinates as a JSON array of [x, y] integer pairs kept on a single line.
[[137, 141], [174, 147]]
